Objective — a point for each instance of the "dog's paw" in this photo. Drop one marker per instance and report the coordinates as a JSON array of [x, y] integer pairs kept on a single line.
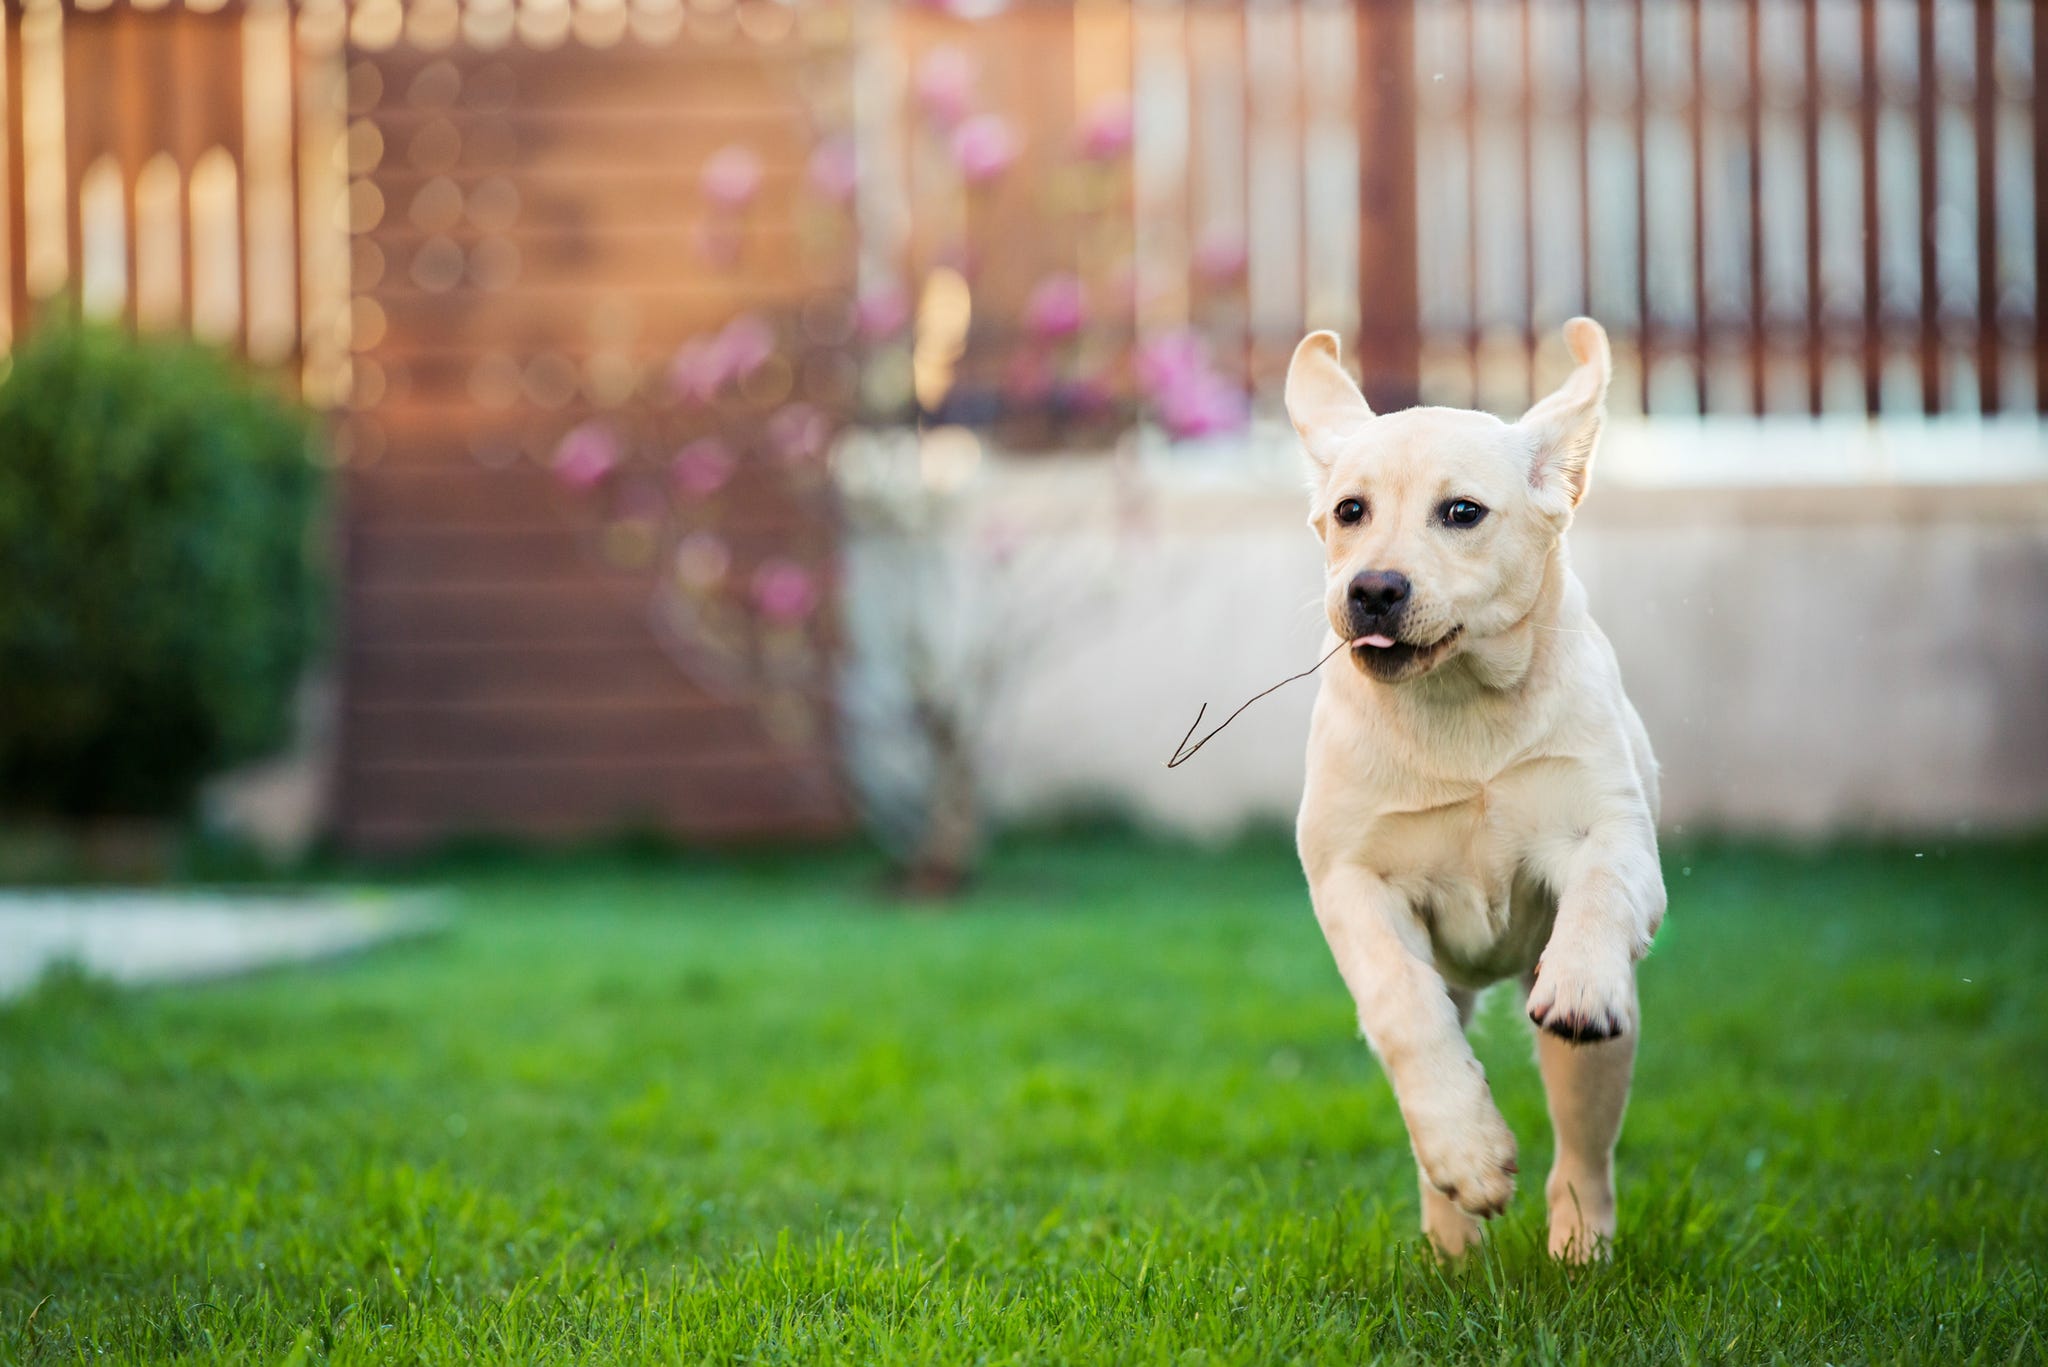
[[1472, 1164], [1583, 1000], [1451, 1231]]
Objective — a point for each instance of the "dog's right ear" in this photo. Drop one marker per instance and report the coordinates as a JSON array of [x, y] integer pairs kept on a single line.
[[1322, 402]]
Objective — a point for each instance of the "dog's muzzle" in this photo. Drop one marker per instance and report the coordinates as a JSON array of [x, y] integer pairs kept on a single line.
[[1378, 600]]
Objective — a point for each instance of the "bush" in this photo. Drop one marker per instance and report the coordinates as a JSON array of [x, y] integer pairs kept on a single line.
[[160, 581]]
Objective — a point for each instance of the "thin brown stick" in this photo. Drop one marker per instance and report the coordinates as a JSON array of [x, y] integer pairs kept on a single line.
[[1181, 753]]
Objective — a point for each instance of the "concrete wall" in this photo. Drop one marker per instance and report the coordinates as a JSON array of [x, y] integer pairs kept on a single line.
[[1808, 658]]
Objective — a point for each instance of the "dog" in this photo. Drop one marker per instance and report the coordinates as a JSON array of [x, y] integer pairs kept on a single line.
[[1481, 800]]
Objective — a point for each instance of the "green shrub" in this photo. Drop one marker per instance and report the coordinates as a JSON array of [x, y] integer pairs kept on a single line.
[[160, 571]]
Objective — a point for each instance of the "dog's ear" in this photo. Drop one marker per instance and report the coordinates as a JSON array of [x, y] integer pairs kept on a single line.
[[1565, 427], [1322, 402]]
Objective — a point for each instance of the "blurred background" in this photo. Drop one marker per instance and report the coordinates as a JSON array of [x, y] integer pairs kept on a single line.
[[756, 421], [607, 512]]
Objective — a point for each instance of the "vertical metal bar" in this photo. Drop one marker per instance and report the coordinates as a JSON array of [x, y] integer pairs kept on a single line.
[[1646, 324], [1583, 133], [1527, 98], [1753, 119], [1990, 388], [1390, 323], [1873, 278], [1469, 122], [1249, 122], [1809, 132], [1697, 110], [1928, 111], [1304, 123], [2040, 65]]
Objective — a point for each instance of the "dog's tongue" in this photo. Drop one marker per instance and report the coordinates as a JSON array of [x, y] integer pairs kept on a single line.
[[1377, 642]]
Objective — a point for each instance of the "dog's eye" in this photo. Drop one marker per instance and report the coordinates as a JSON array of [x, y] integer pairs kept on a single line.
[[1350, 511], [1463, 512]]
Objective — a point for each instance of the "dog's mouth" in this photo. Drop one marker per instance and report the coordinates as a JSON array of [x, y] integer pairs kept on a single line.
[[1387, 659]]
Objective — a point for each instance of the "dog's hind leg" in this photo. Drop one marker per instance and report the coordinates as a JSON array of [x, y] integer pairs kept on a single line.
[[1587, 1087]]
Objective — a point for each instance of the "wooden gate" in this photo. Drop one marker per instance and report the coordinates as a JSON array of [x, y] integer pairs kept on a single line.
[[527, 258]]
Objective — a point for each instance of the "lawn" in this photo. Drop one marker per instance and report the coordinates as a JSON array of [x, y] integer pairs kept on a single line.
[[1113, 1109]]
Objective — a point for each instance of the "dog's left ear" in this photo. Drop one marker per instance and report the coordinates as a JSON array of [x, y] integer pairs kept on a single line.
[[1565, 427], [1322, 402]]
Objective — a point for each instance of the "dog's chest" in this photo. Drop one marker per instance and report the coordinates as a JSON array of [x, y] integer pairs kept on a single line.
[[1470, 869]]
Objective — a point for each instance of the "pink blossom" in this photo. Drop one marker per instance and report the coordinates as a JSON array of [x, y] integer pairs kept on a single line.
[[784, 591], [1201, 404], [798, 432], [697, 371], [984, 147], [702, 467], [1220, 256], [1190, 398], [586, 455], [1165, 358], [745, 345], [944, 84], [882, 311], [1057, 308], [704, 365], [731, 177], [1105, 132], [835, 169]]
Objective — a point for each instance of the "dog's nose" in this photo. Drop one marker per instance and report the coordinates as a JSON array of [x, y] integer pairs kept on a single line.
[[1378, 592]]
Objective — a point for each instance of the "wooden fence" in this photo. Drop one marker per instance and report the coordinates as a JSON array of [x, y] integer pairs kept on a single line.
[[1779, 205], [1774, 205], [153, 163]]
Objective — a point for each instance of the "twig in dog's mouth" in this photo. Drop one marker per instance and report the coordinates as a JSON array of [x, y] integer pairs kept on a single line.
[[1182, 753]]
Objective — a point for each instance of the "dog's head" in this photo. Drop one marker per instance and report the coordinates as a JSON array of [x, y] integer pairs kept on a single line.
[[1437, 523]]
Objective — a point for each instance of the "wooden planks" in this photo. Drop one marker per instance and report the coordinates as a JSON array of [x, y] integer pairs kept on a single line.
[[537, 216]]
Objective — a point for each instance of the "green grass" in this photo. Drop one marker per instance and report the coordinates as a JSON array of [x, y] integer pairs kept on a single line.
[[1113, 1110]]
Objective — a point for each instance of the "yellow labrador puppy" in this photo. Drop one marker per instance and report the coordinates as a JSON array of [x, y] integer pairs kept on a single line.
[[1481, 800]]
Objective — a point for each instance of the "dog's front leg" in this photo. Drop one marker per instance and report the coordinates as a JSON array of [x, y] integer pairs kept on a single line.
[[1610, 901], [1462, 1145]]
